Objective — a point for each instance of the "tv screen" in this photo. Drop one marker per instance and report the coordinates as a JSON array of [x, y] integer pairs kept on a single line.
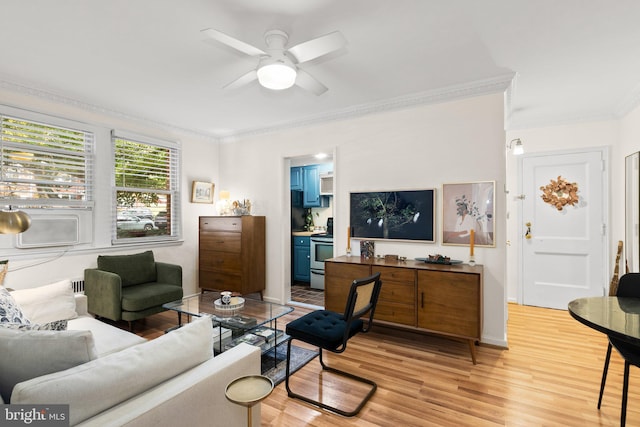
[[396, 215]]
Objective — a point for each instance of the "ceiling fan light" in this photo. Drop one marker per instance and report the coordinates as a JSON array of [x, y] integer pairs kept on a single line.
[[276, 76]]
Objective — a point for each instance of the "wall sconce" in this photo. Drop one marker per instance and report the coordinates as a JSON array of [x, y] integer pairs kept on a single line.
[[13, 221], [518, 149]]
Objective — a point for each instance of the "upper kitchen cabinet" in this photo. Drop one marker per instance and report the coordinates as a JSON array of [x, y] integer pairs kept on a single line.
[[296, 178], [311, 188]]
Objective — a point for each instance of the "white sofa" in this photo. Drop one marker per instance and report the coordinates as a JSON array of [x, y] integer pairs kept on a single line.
[[127, 380]]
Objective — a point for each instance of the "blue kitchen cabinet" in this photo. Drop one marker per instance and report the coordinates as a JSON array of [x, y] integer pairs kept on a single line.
[[311, 185], [301, 258], [296, 178]]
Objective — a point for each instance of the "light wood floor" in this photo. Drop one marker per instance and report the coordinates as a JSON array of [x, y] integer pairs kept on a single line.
[[549, 376]]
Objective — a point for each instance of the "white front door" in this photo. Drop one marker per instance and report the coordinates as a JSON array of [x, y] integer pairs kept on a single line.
[[564, 256]]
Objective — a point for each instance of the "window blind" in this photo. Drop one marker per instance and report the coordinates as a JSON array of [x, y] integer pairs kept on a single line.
[[44, 164], [146, 180]]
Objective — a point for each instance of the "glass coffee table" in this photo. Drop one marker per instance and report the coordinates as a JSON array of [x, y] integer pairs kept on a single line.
[[241, 320]]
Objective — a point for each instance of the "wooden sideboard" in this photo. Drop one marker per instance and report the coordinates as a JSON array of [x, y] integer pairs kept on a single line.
[[232, 253], [416, 296]]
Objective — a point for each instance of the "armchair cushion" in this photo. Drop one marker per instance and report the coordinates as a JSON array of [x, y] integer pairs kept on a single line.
[[133, 269], [141, 297]]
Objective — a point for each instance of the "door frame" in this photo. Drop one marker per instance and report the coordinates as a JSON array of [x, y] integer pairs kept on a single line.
[[606, 199]]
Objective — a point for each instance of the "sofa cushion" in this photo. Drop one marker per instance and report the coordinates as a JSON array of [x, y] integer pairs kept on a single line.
[[10, 311], [108, 339], [141, 297], [133, 269], [104, 382], [58, 325], [47, 303], [30, 354]]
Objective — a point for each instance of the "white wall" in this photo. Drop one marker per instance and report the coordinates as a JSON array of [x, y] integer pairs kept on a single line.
[[199, 162], [420, 147]]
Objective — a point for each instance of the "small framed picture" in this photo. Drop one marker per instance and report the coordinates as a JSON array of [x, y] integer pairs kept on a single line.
[[202, 192], [468, 206]]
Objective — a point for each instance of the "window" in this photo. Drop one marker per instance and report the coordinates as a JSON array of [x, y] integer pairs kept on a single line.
[[146, 188], [45, 165]]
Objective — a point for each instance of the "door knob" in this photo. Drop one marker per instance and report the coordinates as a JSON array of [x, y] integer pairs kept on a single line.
[[527, 235]]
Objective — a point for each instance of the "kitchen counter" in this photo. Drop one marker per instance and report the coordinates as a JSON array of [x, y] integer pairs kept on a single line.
[[303, 233]]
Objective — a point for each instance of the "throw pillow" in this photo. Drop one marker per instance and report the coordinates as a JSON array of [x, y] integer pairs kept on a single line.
[[31, 354], [133, 269], [10, 311], [107, 381], [58, 325], [47, 303]]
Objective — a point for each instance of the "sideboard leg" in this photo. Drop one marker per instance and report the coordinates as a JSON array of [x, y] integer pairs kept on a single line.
[[472, 348]]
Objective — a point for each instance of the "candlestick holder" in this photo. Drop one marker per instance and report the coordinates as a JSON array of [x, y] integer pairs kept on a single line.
[[348, 251], [472, 260]]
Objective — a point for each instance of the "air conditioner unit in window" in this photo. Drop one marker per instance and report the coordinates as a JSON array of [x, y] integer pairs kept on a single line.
[[60, 230]]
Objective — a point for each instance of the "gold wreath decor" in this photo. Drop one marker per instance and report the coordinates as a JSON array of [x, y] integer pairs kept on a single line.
[[560, 193]]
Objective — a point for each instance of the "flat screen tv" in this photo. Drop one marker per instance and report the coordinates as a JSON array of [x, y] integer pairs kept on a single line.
[[395, 215]]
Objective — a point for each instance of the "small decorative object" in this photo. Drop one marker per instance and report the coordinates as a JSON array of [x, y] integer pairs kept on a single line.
[[472, 258], [439, 259], [225, 297], [391, 258], [202, 192], [367, 249], [560, 193], [241, 208], [235, 303], [308, 220]]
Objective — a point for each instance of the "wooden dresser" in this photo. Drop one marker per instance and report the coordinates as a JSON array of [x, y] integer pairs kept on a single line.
[[232, 253], [429, 298]]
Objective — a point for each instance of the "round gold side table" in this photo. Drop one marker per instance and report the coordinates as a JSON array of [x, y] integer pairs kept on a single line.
[[248, 391]]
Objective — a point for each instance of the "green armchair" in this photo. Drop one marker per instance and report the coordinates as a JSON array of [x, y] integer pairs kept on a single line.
[[131, 287]]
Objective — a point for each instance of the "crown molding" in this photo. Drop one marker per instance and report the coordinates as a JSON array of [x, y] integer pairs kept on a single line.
[[65, 100], [449, 93], [466, 90], [629, 102]]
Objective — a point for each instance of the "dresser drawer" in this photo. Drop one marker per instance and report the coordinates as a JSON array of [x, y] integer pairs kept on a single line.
[[220, 261], [221, 223], [387, 274], [396, 313], [220, 281], [404, 293], [220, 241]]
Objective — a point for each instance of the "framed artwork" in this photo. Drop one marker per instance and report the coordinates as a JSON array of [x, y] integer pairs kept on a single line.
[[397, 215], [202, 192], [466, 207]]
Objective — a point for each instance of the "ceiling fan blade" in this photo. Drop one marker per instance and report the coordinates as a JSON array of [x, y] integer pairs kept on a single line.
[[233, 42], [242, 80], [314, 48], [308, 82]]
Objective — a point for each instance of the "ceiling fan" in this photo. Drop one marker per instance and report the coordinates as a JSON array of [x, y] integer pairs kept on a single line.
[[278, 66]]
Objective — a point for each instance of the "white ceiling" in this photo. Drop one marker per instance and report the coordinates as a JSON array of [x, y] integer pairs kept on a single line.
[[147, 59]]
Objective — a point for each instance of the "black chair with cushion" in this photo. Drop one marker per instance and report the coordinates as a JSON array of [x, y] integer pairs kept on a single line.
[[628, 286], [331, 331]]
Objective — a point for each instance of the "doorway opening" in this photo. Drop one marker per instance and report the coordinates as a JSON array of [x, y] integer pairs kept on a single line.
[[311, 227]]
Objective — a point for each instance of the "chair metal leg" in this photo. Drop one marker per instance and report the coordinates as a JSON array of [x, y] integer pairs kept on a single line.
[[604, 373], [625, 389], [325, 367]]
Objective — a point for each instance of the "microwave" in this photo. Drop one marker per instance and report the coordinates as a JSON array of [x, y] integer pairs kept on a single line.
[[326, 184]]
